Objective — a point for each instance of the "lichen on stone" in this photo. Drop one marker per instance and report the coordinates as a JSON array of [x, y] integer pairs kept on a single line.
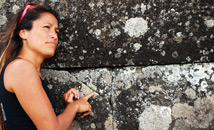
[[182, 110], [155, 117], [1, 3], [209, 23], [203, 113], [190, 93], [110, 124], [3, 20], [136, 27], [15, 9], [137, 46], [143, 8], [155, 88]]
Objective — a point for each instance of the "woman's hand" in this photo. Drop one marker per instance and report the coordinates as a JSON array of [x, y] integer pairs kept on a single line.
[[83, 105], [70, 95]]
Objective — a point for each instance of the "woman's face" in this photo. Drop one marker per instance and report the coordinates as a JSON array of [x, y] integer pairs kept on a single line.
[[42, 39]]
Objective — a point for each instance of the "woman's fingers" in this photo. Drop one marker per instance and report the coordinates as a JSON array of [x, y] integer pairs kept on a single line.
[[75, 92], [70, 95], [84, 105], [88, 96], [86, 113], [70, 98]]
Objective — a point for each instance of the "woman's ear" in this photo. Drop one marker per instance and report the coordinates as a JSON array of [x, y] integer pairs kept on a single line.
[[23, 33]]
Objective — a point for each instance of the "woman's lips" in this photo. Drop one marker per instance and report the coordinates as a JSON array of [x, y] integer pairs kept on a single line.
[[52, 43]]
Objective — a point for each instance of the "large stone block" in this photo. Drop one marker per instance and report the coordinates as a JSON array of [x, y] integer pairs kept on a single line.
[[121, 33], [173, 97]]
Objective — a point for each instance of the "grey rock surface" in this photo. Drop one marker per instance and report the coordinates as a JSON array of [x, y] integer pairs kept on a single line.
[[171, 97]]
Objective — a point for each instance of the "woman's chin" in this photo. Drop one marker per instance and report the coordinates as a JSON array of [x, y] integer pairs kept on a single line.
[[49, 55]]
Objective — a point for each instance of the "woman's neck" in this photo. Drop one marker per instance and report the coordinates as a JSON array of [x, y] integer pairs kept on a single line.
[[35, 60]]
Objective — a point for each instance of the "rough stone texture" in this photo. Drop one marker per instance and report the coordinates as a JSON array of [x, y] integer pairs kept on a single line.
[[140, 91], [121, 33], [160, 116], [171, 97], [141, 35]]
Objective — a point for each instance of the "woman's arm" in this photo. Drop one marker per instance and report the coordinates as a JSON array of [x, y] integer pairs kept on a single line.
[[22, 78]]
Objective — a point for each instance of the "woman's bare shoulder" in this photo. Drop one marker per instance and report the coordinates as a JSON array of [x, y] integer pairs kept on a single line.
[[18, 72], [20, 66], [20, 63]]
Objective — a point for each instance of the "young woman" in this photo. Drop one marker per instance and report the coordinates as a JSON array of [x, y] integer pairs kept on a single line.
[[26, 102]]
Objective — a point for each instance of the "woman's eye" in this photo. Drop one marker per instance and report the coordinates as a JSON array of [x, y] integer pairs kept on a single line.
[[46, 27], [57, 31]]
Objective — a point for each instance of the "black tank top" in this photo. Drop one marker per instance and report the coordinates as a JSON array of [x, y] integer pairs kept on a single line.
[[14, 116]]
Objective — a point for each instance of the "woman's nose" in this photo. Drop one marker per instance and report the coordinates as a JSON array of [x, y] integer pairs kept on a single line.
[[54, 35]]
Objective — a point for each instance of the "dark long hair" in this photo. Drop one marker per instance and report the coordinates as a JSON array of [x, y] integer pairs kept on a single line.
[[11, 41]]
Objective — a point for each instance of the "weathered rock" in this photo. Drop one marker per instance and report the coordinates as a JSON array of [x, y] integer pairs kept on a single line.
[[165, 32], [134, 33], [158, 97], [155, 117], [169, 97], [121, 33]]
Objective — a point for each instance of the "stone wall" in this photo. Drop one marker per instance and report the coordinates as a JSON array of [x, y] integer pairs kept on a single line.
[[150, 63]]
